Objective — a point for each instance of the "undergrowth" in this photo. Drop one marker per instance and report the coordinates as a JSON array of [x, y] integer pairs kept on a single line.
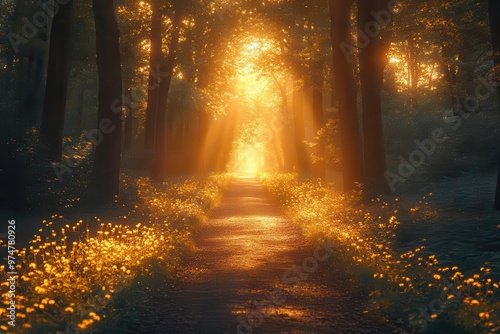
[[69, 278], [408, 287]]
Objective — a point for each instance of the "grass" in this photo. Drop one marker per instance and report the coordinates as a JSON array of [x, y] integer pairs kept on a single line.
[[70, 278], [408, 286]]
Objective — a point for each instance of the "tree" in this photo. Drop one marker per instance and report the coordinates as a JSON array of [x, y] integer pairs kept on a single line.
[[154, 80], [164, 120], [318, 166], [128, 133], [372, 61], [494, 14], [352, 161], [106, 172], [299, 127], [54, 109]]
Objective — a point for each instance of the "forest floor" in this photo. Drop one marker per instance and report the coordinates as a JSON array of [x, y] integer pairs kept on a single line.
[[253, 272]]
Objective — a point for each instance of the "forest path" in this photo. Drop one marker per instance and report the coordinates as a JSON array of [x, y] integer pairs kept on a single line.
[[240, 278]]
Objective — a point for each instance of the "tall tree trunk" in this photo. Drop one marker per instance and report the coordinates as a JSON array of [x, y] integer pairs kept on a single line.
[[372, 61], [283, 129], [129, 124], [318, 167], [345, 88], [187, 147], [278, 130], [34, 84], [154, 79], [334, 100], [10, 53], [201, 157], [170, 145], [299, 127], [163, 130], [412, 66], [106, 172], [175, 149], [494, 14], [54, 108], [80, 107], [277, 152]]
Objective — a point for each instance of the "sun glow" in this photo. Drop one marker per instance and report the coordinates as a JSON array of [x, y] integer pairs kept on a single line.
[[259, 100], [249, 160]]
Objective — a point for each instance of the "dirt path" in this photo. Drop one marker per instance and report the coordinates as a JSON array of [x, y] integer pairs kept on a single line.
[[254, 272]]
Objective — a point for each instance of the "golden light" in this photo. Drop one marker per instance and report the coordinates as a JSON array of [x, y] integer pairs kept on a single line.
[[255, 87], [249, 160]]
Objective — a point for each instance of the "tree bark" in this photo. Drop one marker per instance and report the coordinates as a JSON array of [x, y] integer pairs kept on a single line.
[[77, 127], [202, 135], [176, 148], [129, 124], [154, 80], [345, 88], [412, 66], [299, 127], [318, 167], [106, 171], [372, 61], [10, 52], [164, 130], [283, 129], [54, 108], [494, 14]]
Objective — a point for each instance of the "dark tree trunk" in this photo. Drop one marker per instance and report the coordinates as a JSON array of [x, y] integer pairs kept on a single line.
[[412, 63], [299, 127], [494, 14], [176, 149], [106, 172], [372, 61], [154, 79], [163, 130], [318, 167], [334, 101], [187, 151], [54, 108], [35, 63], [129, 124], [77, 128], [171, 157], [10, 53], [345, 88]]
